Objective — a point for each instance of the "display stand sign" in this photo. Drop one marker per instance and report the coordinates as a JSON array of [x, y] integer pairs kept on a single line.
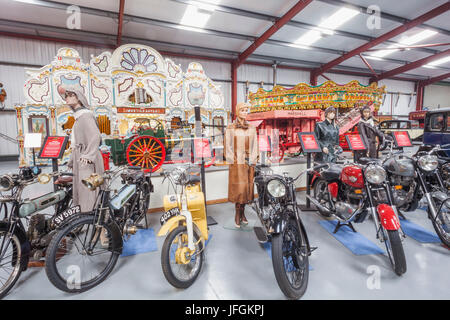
[[309, 142], [202, 149], [33, 140], [355, 142], [53, 147], [402, 139]]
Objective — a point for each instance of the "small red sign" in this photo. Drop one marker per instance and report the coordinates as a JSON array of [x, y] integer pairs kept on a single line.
[[264, 143], [53, 147], [309, 142], [202, 148], [355, 142], [402, 139]]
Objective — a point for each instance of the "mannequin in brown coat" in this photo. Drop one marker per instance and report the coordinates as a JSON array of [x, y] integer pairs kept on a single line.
[[241, 152]]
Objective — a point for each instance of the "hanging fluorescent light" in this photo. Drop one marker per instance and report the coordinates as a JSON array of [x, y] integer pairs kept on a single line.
[[407, 41], [198, 13], [327, 26]]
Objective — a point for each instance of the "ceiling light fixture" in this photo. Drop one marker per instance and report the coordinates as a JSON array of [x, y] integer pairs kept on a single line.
[[437, 62], [198, 13], [327, 26]]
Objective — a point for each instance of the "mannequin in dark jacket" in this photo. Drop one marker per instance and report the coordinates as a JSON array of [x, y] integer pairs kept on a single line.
[[327, 133], [369, 133]]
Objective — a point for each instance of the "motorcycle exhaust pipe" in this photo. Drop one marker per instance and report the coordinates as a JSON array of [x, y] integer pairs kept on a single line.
[[319, 206]]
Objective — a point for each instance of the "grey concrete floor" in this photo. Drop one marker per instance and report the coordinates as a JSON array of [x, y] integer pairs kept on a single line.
[[237, 267]]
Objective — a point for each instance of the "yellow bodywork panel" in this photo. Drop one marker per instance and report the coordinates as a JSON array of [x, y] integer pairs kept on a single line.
[[170, 225]]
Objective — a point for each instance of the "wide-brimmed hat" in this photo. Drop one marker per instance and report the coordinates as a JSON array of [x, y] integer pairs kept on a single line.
[[62, 89]]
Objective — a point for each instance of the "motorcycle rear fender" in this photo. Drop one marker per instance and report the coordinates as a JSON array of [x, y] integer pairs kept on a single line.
[[387, 217], [117, 243], [25, 244]]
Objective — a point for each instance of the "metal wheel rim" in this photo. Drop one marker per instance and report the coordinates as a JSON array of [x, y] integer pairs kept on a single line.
[[194, 267], [15, 243], [294, 275]]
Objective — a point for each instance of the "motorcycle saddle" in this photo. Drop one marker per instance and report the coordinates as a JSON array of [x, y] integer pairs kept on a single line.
[[332, 173], [64, 180], [367, 160]]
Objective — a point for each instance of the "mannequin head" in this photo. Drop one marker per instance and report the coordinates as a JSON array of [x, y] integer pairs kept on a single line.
[[366, 113], [330, 113], [73, 97], [242, 111]]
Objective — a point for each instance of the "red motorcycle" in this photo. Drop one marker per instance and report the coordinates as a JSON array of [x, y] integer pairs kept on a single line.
[[352, 192]]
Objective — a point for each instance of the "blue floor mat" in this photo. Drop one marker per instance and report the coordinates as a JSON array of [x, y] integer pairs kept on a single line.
[[143, 241], [418, 233], [267, 246], [354, 241]]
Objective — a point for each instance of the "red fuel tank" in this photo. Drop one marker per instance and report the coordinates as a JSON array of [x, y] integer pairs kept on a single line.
[[353, 176]]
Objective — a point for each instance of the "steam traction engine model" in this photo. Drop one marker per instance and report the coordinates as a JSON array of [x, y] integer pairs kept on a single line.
[[282, 112], [143, 103]]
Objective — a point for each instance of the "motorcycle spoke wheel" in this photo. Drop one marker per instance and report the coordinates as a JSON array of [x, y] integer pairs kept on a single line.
[[180, 266], [441, 223], [10, 267], [80, 256], [394, 248]]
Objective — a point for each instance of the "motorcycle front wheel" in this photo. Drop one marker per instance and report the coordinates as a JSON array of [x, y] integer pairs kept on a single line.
[[290, 260], [442, 222], [180, 266], [394, 248], [10, 266], [80, 257]]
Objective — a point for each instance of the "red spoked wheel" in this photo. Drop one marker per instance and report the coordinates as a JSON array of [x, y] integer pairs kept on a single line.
[[146, 152]]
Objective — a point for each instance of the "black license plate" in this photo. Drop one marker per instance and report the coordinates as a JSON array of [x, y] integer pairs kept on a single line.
[[169, 214], [64, 216]]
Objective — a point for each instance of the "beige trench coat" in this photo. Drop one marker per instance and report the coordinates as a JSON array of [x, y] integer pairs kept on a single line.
[[87, 141], [241, 148]]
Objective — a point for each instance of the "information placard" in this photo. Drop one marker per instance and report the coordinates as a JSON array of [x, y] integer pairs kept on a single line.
[[355, 142], [264, 143], [53, 147], [202, 149], [309, 142], [402, 139]]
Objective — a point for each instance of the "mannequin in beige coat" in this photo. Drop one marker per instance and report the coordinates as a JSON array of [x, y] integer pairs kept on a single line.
[[86, 139], [241, 152]]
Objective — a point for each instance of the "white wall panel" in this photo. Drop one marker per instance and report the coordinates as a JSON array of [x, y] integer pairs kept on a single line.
[[8, 126], [405, 104], [13, 79], [436, 96]]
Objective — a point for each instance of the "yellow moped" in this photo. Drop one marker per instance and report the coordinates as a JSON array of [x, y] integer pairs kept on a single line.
[[184, 223]]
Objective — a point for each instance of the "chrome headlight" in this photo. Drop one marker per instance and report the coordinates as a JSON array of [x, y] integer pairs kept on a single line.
[[428, 163], [6, 183], [375, 174], [276, 188]]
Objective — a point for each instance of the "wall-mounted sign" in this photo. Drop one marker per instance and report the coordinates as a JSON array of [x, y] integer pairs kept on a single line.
[[309, 142]]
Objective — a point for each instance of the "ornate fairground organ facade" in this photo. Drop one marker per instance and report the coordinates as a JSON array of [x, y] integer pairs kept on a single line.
[[132, 88], [297, 109]]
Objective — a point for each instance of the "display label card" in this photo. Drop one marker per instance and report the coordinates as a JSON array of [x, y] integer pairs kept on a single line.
[[402, 139], [33, 140], [355, 142], [202, 149], [309, 142], [53, 147], [264, 143]]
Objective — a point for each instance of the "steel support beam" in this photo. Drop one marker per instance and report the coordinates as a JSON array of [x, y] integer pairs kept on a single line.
[[419, 96], [434, 79], [395, 32], [120, 24], [411, 66], [271, 31]]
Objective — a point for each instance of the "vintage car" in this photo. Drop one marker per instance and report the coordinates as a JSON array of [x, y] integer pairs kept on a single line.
[[437, 128], [413, 128]]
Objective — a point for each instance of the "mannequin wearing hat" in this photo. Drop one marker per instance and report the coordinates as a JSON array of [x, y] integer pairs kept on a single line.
[[327, 133], [85, 140], [241, 153], [369, 133]]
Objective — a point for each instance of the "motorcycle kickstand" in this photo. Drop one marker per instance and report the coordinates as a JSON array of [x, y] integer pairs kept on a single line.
[[339, 225]]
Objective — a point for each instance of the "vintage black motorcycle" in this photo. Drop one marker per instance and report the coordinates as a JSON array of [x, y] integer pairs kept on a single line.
[[424, 171], [85, 250], [277, 210], [21, 247]]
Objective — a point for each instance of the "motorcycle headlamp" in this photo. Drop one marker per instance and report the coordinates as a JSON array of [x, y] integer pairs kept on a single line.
[[276, 188], [428, 163], [6, 183], [375, 174]]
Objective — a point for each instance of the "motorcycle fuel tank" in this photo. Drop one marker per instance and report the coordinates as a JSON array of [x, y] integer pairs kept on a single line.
[[31, 206], [400, 166], [353, 176]]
